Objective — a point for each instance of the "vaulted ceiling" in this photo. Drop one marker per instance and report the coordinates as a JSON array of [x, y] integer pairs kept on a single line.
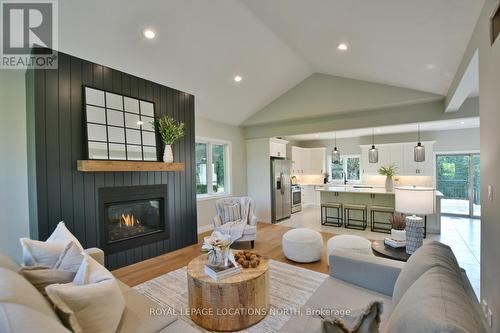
[[274, 45]]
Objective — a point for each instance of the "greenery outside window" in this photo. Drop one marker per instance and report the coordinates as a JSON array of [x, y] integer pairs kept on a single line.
[[212, 167], [349, 165]]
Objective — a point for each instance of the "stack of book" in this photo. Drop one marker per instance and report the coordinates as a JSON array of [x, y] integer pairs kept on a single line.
[[394, 243], [220, 272]]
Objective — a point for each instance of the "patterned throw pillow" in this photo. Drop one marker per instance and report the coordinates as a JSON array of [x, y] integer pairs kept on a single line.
[[231, 213]]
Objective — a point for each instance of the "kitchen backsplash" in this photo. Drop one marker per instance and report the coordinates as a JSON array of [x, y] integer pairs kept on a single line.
[[377, 180], [400, 180], [310, 179]]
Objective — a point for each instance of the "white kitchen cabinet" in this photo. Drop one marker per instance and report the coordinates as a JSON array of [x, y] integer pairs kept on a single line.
[[308, 161], [317, 161], [401, 155], [371, 168], [305, 161], [277, 147], [310, 197], [410, 167], [296, 157], [396, 156]]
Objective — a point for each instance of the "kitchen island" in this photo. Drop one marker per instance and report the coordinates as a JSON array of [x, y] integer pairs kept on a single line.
[[373, 196]]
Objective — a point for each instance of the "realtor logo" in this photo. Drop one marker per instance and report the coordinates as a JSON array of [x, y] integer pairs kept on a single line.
[[29, 34]]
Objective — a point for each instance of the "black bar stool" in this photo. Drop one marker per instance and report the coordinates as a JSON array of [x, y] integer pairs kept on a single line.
[[326, 219], [353, 223], [380, 226]]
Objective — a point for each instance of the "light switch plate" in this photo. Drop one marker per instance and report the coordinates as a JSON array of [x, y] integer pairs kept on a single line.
[[490, 193]]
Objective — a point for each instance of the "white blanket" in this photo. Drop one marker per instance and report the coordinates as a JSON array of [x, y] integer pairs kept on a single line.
[[234, 228]]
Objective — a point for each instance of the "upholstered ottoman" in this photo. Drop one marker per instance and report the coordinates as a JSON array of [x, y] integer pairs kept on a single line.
[[302, 245], [350, 243]]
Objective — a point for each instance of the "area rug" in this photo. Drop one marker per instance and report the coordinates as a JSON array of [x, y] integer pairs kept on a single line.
[[289, 288]]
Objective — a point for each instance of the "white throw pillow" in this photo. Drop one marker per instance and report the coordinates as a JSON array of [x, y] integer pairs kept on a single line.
[[92, 303], [61, 235], [70, 259], [37, 253], [91, 271]]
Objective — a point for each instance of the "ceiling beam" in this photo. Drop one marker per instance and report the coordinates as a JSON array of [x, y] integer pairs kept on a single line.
[[415, 113]]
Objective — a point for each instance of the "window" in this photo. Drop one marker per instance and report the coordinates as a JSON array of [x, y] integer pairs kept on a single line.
[[212, 160], [349, 165]]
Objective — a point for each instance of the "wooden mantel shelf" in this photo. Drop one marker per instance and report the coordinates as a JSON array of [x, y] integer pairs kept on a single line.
[[110, 166]]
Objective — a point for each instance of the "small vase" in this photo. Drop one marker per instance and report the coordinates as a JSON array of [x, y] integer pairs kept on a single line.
[[399, 235], [389, 184], [168, 155], [219, 257], [215, 258]]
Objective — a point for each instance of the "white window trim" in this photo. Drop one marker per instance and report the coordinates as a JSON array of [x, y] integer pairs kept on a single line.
[[227, 168], [344, 169]]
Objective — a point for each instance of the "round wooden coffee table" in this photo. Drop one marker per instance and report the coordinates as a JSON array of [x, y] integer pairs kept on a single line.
[[231, 304], [381, 250]]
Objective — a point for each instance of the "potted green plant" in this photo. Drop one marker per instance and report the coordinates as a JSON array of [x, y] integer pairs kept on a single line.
[[398, 224], [389, 172], [170, 131]]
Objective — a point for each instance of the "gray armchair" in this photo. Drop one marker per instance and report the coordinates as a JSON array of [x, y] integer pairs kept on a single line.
[[237, 216]]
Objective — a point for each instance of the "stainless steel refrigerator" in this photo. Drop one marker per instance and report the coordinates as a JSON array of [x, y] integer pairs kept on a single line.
[[281, 201]]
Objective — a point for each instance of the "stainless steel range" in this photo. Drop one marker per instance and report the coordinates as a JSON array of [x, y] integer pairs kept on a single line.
[[296, 199]]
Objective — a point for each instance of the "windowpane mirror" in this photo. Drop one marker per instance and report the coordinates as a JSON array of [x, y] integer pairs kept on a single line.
[[119, 127]]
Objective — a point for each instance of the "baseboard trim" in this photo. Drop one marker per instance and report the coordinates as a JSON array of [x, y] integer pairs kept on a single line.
[[205, 228]]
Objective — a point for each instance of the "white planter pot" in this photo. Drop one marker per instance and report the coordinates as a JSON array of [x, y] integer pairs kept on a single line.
[[168, 155], [389, 184], [398, 234]]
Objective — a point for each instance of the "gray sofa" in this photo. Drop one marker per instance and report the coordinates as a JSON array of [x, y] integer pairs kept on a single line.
[[24, 309], [429, 293]]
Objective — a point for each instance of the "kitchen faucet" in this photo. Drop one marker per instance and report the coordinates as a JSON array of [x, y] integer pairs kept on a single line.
[[344, 177]]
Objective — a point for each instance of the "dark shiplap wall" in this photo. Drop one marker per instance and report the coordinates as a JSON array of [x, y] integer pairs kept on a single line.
[[56, 142]]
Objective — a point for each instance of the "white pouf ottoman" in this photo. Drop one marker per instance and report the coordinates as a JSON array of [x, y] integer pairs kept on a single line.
[[302, 245], [349, 243]]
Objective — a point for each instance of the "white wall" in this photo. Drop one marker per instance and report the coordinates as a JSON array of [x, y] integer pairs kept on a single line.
[[215, 130], [14, 219], [489, 109], [259, 177]]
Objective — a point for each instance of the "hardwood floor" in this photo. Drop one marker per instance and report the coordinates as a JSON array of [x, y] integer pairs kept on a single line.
[[268, 243]]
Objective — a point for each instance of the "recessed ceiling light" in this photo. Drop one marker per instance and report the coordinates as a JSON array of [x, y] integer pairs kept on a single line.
[[342, 47], [238, 78], [462, 122], [149, 33]]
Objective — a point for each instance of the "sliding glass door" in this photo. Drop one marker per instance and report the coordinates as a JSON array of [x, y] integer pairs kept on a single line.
[[458, 179]]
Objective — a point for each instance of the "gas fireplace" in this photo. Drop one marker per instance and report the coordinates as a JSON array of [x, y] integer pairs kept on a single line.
[[132, 219], [132, 216]]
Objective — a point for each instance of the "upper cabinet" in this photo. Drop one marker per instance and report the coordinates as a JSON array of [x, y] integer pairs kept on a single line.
[[412, 168], [401, 155], [307, 161], [317, 161], [277, 147]]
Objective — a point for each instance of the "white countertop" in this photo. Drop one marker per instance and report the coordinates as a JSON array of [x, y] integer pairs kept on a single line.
[[352, 189]]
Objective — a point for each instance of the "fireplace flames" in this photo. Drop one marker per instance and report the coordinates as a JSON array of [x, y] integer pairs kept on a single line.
[[129, 220]]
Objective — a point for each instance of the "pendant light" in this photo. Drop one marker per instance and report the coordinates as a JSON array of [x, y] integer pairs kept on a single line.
[[419, 150], [373, 152], [335, 152]]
